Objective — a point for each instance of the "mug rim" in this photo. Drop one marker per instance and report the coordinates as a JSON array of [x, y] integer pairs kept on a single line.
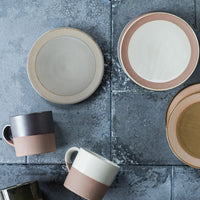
[[29, 114], [18, 185], [105, 160]]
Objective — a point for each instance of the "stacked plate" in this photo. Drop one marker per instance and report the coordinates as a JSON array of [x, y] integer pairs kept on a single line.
[[65, 66], [183, 125], [158, 51]]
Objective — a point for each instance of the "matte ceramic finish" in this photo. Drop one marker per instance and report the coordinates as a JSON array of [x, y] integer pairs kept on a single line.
[[34, 144], [93, 165], [159, 51], [130, 130], [31, 134], [123, 33], [187, 129], [180, 96], [32, 124], [154, 72], [65, 66], [84, 186], [176, 147]]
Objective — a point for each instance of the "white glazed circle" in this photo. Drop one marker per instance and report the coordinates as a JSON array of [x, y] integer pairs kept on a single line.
[[159, 51]]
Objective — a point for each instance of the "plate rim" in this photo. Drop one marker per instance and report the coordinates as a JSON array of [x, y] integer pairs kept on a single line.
[[123, 34], [181, 95], [65, 99], [173, 83], [176, 148]]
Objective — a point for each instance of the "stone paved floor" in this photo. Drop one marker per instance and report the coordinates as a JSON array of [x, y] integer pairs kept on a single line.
[[121, 120]]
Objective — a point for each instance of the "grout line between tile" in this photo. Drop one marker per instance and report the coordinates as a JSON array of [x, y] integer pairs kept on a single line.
[[136, 91], [31, 164], [172, 183], [195, 14], [111, 44], [122, 165], [151, 165]]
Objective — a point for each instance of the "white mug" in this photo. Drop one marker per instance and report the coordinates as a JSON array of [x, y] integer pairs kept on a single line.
[[90, 175]]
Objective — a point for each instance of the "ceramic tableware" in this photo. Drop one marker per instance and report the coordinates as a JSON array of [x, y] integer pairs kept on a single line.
[[90, 175], [123, 33], [180, 96], [65, 66], [158, 51], [25, 191], [183, 130], [31, 133]]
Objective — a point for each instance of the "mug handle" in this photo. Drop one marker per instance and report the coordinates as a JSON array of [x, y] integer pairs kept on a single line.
[[7, 135], [68, 156]]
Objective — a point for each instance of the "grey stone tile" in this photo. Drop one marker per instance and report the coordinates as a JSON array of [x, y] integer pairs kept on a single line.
[[124, 11], [197, 3], [138, 128], [186, 183], [22, 22], [82, 125], [85, 124], [142, 183], [7, 154], [51, 179]]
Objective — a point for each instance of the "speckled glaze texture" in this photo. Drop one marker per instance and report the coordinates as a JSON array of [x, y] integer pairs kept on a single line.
[[120, 121]]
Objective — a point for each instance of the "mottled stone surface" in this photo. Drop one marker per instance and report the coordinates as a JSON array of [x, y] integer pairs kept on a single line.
[[139, 183], [142, 183], [186, 183], [121, 120], [85, 124], [138, 128], [50, 177], [7, 154], [82, 125]]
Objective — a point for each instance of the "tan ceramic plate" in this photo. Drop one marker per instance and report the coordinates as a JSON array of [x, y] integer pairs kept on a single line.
[[172, 134], [180, 96], [158, 51], [65, 66]]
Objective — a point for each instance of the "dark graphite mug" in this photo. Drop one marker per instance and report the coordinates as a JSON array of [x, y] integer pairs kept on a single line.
[[25, 191], [31, 134]]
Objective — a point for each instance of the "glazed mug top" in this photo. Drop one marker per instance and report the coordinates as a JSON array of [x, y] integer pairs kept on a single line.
[[32, 124], [92, 165], [31, 134]]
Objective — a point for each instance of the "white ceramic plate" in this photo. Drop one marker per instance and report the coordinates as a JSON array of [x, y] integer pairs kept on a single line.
[[65, 66], [158, 51]]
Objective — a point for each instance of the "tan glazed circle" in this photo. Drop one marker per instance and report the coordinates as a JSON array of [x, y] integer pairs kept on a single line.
[[179, 97], [172, 137], [136, 25], [83, 83]]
